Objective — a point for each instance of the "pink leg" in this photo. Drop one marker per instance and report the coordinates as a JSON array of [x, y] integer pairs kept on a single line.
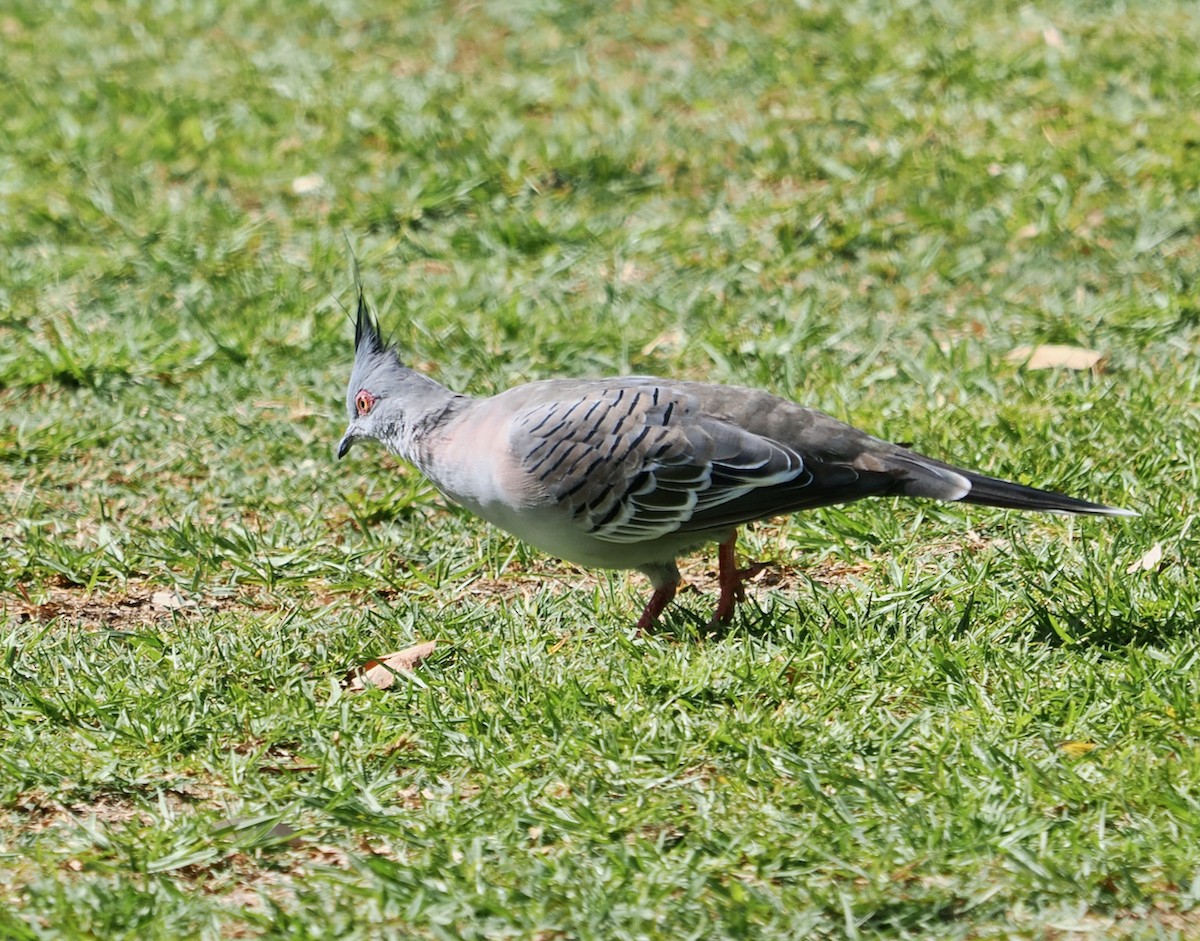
[[730, 578], [654, 607]]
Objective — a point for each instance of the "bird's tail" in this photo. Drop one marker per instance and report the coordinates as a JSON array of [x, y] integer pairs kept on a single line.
[[925, 476], [989, 491]]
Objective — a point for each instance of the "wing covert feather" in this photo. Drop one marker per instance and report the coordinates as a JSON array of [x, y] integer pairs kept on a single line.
[[632, 462]]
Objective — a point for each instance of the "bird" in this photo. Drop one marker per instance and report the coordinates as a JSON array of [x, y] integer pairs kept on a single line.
[[633, 472]]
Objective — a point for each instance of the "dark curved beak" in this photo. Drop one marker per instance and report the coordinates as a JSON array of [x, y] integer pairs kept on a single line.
[[344, 444]]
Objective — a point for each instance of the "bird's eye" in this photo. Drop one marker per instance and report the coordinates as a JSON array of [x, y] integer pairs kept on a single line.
[[364, 402]]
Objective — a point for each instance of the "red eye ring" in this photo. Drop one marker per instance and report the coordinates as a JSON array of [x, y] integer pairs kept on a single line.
[[364, 402]]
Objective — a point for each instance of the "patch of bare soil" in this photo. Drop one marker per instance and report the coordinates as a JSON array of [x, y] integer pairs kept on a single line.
[[780, 575], [133, 605], [35, 812], [244, 879], [546, 575], [528, 580], [1160, 917]]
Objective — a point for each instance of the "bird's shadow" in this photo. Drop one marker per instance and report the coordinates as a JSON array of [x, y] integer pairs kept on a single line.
[[694, 624], [1089, 625], [1048, 621]]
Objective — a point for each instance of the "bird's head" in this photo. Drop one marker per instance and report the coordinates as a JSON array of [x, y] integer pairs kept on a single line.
[[374, 401]]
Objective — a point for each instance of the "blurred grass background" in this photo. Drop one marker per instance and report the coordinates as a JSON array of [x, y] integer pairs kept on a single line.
[[933, 722]]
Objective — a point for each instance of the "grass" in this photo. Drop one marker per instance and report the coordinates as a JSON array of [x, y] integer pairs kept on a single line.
[[930, 721]]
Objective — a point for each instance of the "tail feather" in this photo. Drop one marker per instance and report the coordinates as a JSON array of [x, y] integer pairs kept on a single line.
[[989, 491], [927, 477]]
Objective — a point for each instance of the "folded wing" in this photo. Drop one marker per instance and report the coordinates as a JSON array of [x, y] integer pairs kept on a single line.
[[634, 462]]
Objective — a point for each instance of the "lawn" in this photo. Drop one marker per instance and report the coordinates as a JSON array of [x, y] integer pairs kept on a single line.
[[929, 720]]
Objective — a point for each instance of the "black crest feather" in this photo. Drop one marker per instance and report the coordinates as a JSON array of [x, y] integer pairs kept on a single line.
[[366, 327]]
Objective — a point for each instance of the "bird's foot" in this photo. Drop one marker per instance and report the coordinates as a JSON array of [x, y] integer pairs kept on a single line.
[[654, 607], [731, 580]]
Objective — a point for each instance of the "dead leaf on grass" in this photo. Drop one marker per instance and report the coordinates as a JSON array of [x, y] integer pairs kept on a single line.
[[170, 600], [1149, 562], [1053, 38], [669, 340], [1055, 356], [381, 672], [307, 184]]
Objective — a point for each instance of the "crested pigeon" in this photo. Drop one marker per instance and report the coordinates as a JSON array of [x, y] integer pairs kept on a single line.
[[632, 472]]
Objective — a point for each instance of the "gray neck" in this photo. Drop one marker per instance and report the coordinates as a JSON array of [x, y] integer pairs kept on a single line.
[[428, 406]]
